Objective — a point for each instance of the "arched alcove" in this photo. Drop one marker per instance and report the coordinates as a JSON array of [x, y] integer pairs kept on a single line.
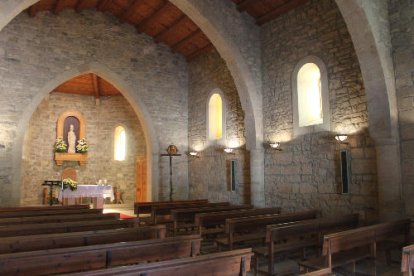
[[126, 91]]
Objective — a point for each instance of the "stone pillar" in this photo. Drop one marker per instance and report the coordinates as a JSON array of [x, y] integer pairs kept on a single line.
[[257, 177], [390, 194]]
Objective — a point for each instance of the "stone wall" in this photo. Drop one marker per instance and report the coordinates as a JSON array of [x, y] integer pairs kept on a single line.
[[207, 174], [306, 173], [402, 33], [35, 52], [101, 121]]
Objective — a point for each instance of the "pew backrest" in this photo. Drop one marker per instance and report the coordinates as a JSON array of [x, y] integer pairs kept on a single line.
[[146, 207], [57, 218], [73, 239], [228, 263], [74, 259], [48, 212]]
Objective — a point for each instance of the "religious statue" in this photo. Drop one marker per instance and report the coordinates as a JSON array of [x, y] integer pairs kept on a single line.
[[71, 140]]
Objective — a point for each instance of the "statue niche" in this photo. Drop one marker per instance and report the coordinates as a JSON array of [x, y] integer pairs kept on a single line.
[[71, 128]]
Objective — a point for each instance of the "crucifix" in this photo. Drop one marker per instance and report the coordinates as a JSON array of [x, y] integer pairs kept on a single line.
[[171, 152]]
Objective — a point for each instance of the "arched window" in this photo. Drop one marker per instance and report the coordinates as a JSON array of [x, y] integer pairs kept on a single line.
[[310, 96], [119, 143], [215, 117]]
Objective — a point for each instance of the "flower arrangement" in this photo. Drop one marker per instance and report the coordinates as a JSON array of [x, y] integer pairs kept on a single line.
[[69, 183], [60, 145], [82, 146]]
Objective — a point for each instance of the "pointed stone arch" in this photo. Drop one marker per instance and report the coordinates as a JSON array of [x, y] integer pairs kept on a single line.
[[138, 106]]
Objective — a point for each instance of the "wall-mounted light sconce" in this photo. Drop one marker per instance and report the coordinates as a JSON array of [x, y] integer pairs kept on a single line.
[[228, 150], [341, 138], [275, 146], [193, 154]]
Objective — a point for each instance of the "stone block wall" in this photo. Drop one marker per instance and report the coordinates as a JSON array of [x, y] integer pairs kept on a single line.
[[401, 13], [37, 51], [207, 174], [101, 121], [306, 173]]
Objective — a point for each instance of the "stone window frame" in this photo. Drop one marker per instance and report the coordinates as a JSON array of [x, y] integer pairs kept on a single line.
[[326, 111], [113, 142], [221, 141]]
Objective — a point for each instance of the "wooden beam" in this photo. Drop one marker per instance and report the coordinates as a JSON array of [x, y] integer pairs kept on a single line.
[[96, 88], [58, 7], [244, 4], [133, 6], [102, 5], [289, 5], [176, 23], [144, 23], [186, 39], [200, 51], [32, 11], [79, 6]]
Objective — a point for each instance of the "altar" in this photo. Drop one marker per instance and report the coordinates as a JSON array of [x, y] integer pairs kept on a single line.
[[97, 192]]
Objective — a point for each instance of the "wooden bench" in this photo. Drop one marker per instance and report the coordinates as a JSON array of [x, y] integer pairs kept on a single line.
[[74, 259], [351, 246], [146, 207], [299, 236], [186, 216], [254, 228], [162, 213], [320, 272], [407, 260], [48, 212], [229, 263], [63, 227], [57, 218], [72, 239], [41, 208], [212, 223]]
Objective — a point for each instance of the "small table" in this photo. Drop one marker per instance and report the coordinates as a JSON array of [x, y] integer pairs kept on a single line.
[[96, 192]]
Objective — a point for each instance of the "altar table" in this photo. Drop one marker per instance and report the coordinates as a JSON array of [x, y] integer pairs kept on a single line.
[[96, 192]]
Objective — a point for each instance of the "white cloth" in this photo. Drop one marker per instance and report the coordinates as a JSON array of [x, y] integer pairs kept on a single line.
[[88, 191]]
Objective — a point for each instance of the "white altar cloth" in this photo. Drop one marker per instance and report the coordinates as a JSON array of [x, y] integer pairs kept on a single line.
[[89, 191]]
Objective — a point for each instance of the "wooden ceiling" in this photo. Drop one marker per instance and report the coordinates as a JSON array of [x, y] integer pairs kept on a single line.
[[265, 10], [88, 85], [164, 21]]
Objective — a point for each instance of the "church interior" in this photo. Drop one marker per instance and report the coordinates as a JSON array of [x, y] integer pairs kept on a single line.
[[206, 137]]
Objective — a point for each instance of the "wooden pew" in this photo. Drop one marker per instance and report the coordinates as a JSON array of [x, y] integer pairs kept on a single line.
[[146, 207], [299, 236], [407, 260], [162, 213], [229, 263], [348, 247], [186, 216], [57, 218], [320, 272], [62, 240], [254, 228], [210, 223], [63, 227], [48, 212], [74, 259], [42, 208]]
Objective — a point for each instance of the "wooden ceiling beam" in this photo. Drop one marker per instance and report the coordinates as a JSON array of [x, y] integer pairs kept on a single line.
[[32, 11], [79, 5], [289, 5], [95, 84], [177, 22], [58, 7], [244, 4], [102, 4], [185, 40], [200, 51], [144, 23], [133, 6]]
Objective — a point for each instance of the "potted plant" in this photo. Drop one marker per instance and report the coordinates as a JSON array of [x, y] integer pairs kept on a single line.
[[69, 183], [60, 145], [82, 146]]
